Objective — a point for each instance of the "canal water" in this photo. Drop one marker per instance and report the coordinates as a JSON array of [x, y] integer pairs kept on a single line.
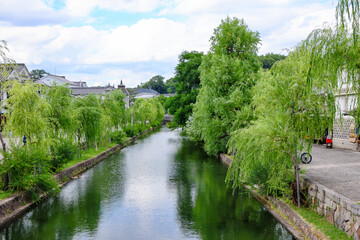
[[163, 187]]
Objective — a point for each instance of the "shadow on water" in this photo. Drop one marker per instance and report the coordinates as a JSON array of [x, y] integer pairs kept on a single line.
[[163, 187], [207, 208], [75, 211]]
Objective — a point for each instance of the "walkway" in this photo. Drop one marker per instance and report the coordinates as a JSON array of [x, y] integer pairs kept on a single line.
[[336, 169]]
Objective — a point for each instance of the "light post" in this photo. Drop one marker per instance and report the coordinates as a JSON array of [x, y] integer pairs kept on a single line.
[[132, 116]]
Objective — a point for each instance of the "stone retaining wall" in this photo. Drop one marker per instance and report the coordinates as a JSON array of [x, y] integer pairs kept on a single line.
[[84, 165], [337, 209], [14, 206]]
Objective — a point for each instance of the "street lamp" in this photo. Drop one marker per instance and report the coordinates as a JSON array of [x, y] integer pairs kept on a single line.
[[132, 116]]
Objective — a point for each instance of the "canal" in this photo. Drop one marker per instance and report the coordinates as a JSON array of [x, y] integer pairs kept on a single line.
[[163, 187]]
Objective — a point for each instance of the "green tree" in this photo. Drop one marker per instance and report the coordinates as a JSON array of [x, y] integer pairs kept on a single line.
[[62, 114], [269, 59], [90, 116], [155, 83], [144, 110], [37, 74], [28, 112], [290, 110], [28, 166], [187, 78], [113, 107], [228, 74], [187, 73], [170, 85], [5, 64]]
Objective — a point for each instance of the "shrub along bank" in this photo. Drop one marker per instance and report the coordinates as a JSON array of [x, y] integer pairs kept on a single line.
[[58, 130]]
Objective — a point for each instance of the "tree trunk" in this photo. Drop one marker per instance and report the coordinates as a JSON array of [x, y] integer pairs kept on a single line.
[[7, 175], [296, 196]]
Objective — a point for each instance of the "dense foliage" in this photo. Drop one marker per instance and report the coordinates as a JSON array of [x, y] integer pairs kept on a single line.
[[290, 111], [37, 74], [228, 73], [49, 128], [187, 78], [156, 83], [269, 59]]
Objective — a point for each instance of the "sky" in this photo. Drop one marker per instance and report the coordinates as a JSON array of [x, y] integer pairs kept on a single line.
[[105, 41]]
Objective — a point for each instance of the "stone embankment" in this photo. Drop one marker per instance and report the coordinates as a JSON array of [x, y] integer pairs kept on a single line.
[[290, 219], [337, 209], [15, 206]]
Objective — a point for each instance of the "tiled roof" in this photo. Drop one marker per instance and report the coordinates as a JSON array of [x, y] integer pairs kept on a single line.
[[59, 80], [142, 90], [83, 91]]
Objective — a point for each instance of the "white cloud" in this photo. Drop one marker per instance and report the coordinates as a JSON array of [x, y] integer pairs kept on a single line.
[[82, 8], [147, 40], [296, 29], [112, 76], [281, 23], [29, 13]]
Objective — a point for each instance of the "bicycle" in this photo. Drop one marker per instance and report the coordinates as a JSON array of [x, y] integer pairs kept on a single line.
[[305, 157]]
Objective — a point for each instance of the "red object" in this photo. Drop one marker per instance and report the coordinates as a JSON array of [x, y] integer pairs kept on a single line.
[[328, 140]]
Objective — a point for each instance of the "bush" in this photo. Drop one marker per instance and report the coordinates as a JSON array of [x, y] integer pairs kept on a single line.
[[130, 131], [118, 136], [62, 151], [29, 169]]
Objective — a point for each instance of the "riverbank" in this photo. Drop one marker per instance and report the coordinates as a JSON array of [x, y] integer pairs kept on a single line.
[[286, 214], [15, 206]]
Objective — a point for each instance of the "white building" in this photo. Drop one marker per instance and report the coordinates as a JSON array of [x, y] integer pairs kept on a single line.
[[345, 130], [18, 72], [51, 79]]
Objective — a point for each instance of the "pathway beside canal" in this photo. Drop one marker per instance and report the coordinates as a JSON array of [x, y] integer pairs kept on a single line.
[[336, 169]]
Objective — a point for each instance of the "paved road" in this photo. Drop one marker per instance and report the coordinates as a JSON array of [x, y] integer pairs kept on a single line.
[[336, 169]]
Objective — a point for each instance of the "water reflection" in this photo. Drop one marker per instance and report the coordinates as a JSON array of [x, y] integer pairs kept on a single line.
[[164, 187], [207, 208]]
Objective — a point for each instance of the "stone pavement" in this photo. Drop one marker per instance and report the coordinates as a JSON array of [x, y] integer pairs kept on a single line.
[[336, 169]]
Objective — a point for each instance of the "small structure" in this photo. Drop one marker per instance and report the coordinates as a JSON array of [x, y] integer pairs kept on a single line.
[[51, 79], [143, 92], [16, 71]]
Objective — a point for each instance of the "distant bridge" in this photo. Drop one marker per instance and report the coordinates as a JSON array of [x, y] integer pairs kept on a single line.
[[167, 118]]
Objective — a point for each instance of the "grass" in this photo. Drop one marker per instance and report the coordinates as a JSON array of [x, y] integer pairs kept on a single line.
[[5, 194], [90, 152], [319, 222]]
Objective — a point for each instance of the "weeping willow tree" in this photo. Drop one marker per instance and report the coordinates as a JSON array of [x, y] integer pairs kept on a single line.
[[90, 116], [291, 108], [148, 111], [62, 115], [335, 53], [27, 112], [113, 107], [295, 102], [5, 65], [27, 167]]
